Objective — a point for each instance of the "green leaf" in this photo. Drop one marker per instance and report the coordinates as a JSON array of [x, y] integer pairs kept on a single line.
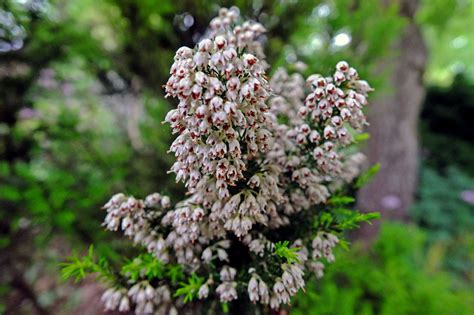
[[175, 273], [325, 219], [190, 289], [341, 200], [348, 219], [362, 137], [344, 244], [79, 268], [290, 254], [367, 176], [144, 265], [225, 307]]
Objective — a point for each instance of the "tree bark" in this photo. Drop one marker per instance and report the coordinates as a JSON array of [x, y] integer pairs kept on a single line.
[[393, 127]]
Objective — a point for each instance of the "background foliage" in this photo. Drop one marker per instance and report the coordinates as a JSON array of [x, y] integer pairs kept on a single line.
[[395, 277]]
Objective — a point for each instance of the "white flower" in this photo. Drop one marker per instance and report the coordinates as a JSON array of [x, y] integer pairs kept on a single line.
[[220, 42], [222, 254], [207, 255], [249, 60], [226, 291], [227, 273], [253, 290], [124, 304], [203, 291]]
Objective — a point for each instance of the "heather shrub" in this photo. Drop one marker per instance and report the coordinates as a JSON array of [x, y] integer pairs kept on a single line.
[[269, 165]]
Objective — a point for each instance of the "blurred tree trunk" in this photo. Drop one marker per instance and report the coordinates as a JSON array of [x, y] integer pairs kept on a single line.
[[393, 121]]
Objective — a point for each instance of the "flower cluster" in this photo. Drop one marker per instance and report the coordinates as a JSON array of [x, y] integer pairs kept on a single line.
[[135, 218], [226, 290], [258, 289], [254, 155], [286, 286], [221, 116], [310, 146], [222, 123], [146, 299]]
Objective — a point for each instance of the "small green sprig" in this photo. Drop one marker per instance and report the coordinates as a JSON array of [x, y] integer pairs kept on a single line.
[[348, 219], [79, 268], [341, 200], [175, 273], [367, 176], [361, 137], [190, 289], [341, 219], [145, 265], [290, 254]]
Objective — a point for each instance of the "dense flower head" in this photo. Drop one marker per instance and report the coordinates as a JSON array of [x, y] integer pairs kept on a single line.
[[222, 121], [255, 155], [321, 114]]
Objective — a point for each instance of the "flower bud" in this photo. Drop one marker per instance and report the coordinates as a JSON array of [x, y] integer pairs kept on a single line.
[[203, 291], [342, 66], [220, 42]]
